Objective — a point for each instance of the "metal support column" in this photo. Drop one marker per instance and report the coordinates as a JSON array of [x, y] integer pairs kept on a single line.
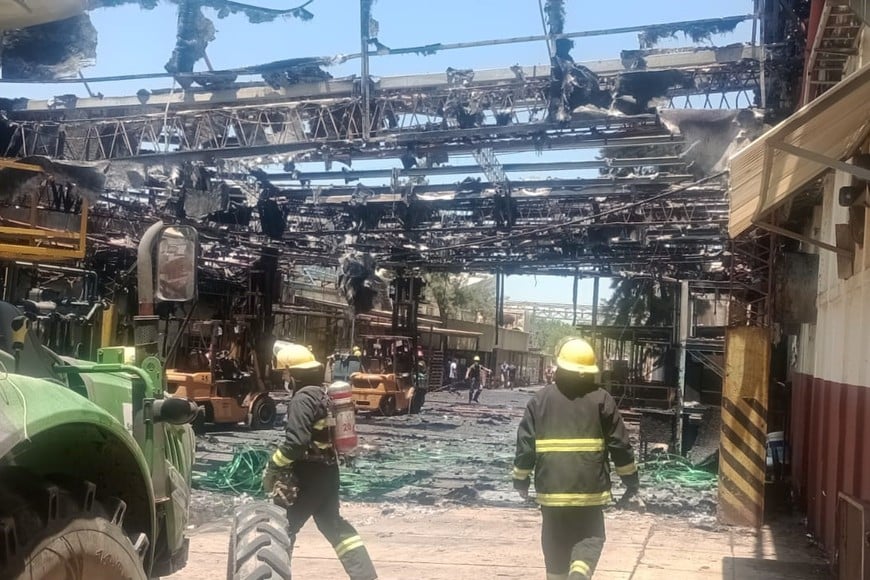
[[574, 299], [499, 304], [365, 10], [683, 326], [743, 439], [595, 288]]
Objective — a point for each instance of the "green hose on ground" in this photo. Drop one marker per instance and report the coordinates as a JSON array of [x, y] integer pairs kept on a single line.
[[669, 470], [243, 474]]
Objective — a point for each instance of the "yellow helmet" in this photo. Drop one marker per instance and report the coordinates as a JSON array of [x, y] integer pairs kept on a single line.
[[295, 356], [357, 351], [476, 358], [576, 356]]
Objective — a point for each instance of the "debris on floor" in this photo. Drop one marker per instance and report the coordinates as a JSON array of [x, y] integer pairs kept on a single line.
[[450, 453]]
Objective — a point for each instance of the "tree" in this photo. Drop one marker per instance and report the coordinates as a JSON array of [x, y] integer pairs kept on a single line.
[[454, 294], [641, 302], [548, 333]]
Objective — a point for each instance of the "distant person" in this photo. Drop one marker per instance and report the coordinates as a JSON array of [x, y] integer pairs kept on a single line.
[[474, 375], [566, 436], [512, 376], [453, 371], [504, 374]]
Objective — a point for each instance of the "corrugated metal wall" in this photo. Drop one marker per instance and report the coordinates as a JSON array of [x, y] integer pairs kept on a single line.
[[830, 423]]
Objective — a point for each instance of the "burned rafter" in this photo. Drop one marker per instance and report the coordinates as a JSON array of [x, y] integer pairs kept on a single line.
[[259, 121]]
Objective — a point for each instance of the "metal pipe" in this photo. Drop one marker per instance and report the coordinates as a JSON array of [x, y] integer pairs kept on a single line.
[[92, 294], [438, 47], [145, 269]]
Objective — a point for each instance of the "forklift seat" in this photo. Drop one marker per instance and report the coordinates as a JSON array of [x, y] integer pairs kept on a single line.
[[35, 359]]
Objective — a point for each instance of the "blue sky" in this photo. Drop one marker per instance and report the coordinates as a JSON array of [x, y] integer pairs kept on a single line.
[[138, 41]]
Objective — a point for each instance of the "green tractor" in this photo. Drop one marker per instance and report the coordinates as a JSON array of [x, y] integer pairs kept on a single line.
[[95, 463]]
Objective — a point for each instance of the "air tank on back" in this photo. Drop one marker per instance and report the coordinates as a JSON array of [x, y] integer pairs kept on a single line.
[[344, 416]]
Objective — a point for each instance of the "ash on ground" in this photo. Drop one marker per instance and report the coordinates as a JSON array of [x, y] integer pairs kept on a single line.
[[452, 452]]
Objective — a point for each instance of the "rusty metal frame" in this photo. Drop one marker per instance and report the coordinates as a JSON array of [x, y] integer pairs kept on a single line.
[[45, 244]]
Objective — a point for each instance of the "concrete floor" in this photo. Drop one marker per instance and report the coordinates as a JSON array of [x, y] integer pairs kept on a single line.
[[463, 543]]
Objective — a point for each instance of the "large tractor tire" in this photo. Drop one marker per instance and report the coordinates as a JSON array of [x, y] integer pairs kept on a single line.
[[54, 531], [259, 545], [263, 413]]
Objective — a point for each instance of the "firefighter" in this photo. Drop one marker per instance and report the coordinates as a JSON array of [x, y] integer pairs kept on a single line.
[[302, 474], [474, 374], [566, 436]]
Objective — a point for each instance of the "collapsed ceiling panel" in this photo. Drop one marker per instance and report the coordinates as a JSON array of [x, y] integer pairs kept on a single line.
[[50, 40], [47, 51]]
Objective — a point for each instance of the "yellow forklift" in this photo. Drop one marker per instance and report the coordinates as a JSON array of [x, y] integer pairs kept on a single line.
[[213, 374], [223, 363], [386, 375]]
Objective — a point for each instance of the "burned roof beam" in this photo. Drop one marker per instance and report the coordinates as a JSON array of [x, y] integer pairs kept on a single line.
[[549, 184], [351, 174], [261, 93], [709, 23]]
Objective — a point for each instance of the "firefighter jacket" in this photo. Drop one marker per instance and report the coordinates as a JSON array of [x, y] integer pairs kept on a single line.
[[307, 434], [567, 437]]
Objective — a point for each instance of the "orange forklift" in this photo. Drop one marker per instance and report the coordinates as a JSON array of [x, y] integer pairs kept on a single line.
[[213, 376], [223, 363], [386, 375]]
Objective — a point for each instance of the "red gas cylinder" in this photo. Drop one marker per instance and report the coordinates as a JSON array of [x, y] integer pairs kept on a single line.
[[344, 415]]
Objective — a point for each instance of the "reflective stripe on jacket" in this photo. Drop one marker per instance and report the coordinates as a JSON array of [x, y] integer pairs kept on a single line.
[[306, 434], [567, 438]]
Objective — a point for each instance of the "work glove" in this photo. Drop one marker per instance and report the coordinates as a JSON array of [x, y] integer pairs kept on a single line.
[[280, 485], [522, 487]]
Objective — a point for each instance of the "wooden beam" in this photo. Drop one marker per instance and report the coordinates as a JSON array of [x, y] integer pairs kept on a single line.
[[802, 238], [15, 164]]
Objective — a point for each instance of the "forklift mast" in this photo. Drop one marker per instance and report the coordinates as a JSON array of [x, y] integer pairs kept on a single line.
[[406, 292]]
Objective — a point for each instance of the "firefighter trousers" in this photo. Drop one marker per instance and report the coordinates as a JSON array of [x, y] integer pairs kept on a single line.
[[572, 539], [318, 498], [474, 390]]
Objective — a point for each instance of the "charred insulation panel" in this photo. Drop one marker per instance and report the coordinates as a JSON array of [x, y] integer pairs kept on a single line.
[[49, 51]]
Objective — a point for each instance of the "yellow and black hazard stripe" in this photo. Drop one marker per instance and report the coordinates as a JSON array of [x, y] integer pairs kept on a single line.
[[742, 454], [743, 437]]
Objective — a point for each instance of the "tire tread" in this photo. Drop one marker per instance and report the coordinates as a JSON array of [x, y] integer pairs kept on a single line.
[[259, 544]]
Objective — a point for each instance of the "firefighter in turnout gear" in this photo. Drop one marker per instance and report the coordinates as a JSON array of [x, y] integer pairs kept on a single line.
[[569, 432], [302, 475]]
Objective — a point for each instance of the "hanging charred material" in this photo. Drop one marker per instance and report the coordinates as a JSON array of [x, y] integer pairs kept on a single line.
[[293, 71], [636, 92], [698, 32], [224, 8], [195, 32], [49, 51], [87, 179], [555, 12], [357, 281], [273, 219], [571, 85]]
